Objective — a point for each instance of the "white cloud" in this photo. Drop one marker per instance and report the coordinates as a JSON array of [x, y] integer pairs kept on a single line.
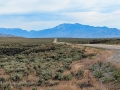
[[28, 6], [92, 12], [96, 4], [96, 18], [28, 25]]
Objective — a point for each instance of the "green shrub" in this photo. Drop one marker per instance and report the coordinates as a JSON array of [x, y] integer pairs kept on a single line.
[[99, 74], [100, 64], [16, 77], [92, 68], [67, 77], [3, 59], [24, 60], [68, 60], [61, 70], [116, 75], [20, 57], [22, 84], [79, 73], [41, 81], [107, 80], [2, 65], [8, 69], [46, 74], [44, 82], [66, 66], [20, 69], [34, 88], [2, 79], [49, 89], [77, 57], [5, 86], [58, 76]]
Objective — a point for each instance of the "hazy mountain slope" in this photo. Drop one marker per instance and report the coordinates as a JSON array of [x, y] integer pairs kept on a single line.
[[66, 30], [14, 31], [6, 35]]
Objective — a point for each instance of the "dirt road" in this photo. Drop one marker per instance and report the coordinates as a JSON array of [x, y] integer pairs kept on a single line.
[[116, 48]]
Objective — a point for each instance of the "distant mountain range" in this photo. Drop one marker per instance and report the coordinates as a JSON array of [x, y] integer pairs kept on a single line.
[[6, 35], [65, 31]]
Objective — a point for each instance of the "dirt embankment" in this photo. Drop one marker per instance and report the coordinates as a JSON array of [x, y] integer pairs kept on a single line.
[[88, 81], [115, 58]]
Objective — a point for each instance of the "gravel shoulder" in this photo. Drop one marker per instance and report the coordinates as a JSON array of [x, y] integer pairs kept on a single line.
[[116, 48]]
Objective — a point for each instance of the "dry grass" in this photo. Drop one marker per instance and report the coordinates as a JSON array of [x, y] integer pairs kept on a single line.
[[117, 66]]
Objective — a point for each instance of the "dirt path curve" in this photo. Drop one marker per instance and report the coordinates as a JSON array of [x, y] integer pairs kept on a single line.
[[55, 40], [116, 48]]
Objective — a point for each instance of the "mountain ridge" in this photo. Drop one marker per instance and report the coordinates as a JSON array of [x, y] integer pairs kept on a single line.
[[66, 30], [6, 35]]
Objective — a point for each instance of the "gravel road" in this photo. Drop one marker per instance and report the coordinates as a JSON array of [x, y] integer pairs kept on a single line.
[[116, 48]]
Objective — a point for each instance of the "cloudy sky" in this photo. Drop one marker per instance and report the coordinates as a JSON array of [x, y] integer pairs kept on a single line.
[[41, 14]]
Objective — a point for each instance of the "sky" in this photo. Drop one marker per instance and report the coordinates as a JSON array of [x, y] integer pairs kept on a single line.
[[43, 14]]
